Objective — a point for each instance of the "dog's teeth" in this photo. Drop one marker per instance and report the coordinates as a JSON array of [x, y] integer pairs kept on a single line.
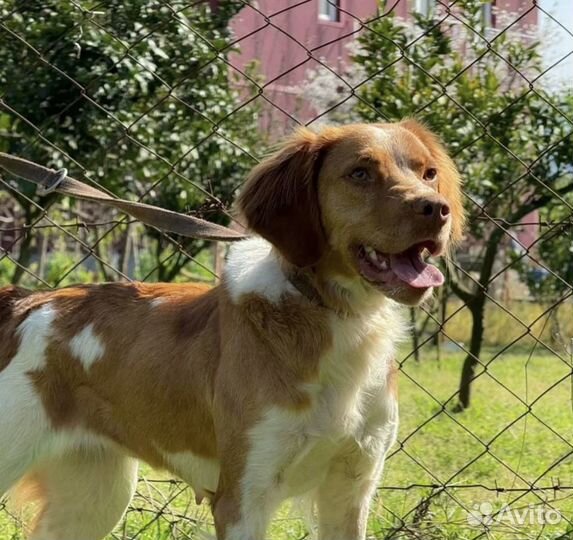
[[384, 264]]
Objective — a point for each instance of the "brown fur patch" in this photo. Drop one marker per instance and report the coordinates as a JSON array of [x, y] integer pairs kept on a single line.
[[159, 361], [280, 200], [28, 489], [392, 379], [9, 322], [284, 345], [449, 181]]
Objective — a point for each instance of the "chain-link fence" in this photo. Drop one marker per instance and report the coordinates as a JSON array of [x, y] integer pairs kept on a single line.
[[172, 102]]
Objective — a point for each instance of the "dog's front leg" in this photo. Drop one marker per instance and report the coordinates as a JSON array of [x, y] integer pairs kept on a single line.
[[244, 505], [253, 468], [235, 520], [251, 481], [344, 496]]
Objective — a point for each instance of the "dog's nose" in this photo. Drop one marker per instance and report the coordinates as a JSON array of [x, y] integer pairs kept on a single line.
[[432, 207]]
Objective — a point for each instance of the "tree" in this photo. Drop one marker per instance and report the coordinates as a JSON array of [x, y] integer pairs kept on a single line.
[[509, 136], [137, 93]]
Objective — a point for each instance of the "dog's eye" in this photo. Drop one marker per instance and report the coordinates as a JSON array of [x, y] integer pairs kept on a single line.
[[360, 174], [430, 175]]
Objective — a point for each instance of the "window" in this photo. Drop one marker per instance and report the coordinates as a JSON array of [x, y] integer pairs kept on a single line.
[[329, 10], [423, 7]]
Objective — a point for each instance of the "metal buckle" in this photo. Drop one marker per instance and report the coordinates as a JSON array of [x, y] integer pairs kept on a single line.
[[54, 180]]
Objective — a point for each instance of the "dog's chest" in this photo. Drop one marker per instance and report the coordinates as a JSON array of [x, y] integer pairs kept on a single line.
[[351, 408], [365, 421]]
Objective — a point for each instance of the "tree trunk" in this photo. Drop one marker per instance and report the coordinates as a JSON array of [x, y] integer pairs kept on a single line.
[[43, 252], [24, 257], [107, 275], [471, 360], [476, 305], [443, 311], [160, 265], [25, 247], [124, 255], [31, 213], [415, 342]]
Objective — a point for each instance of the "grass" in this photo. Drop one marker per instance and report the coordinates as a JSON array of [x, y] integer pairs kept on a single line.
[[518, 434]]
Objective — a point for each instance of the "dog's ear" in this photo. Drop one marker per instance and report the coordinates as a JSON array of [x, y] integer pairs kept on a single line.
[[280, 199], [449, 180]]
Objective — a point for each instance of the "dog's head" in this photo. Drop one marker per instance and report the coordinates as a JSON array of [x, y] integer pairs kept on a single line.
[[373, 200]]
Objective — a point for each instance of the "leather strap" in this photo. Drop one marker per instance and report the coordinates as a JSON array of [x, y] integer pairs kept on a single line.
[[304, 286], [50, 180]]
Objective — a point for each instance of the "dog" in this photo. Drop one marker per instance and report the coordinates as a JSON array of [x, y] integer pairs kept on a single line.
[[277, 383]]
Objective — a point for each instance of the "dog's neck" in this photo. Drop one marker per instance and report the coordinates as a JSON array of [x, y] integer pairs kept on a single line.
[[331, 285], [254, 266]]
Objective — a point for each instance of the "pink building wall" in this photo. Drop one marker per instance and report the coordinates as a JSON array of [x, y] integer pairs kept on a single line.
[[278, 36], [280, 46]]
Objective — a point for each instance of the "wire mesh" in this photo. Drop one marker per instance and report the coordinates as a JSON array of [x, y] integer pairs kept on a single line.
[[172, 102]]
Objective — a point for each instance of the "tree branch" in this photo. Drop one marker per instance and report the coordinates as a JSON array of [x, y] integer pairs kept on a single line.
[[539, 203], [465, 294], [459, 290]]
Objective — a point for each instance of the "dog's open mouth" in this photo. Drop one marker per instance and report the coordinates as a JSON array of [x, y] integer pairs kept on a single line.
[[407, 267]]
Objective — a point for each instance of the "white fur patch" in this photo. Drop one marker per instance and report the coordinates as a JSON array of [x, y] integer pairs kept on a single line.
[[87, 493], [86, 346], [23, 422], [201, 474], [275, 441], [34, 332], [381, 136], [253, 268]]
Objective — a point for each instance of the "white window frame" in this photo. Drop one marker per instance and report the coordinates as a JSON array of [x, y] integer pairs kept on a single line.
[[329, 10]]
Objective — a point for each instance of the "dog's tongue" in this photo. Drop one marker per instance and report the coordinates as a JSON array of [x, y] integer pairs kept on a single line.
[[410, 268]]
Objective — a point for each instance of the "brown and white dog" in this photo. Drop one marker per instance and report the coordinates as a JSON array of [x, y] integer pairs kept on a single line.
[[276, 383]]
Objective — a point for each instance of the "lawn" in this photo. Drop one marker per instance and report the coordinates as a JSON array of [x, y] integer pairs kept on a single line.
[[512, 447]]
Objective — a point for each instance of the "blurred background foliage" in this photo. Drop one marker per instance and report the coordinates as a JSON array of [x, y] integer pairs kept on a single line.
[[134, 95]]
